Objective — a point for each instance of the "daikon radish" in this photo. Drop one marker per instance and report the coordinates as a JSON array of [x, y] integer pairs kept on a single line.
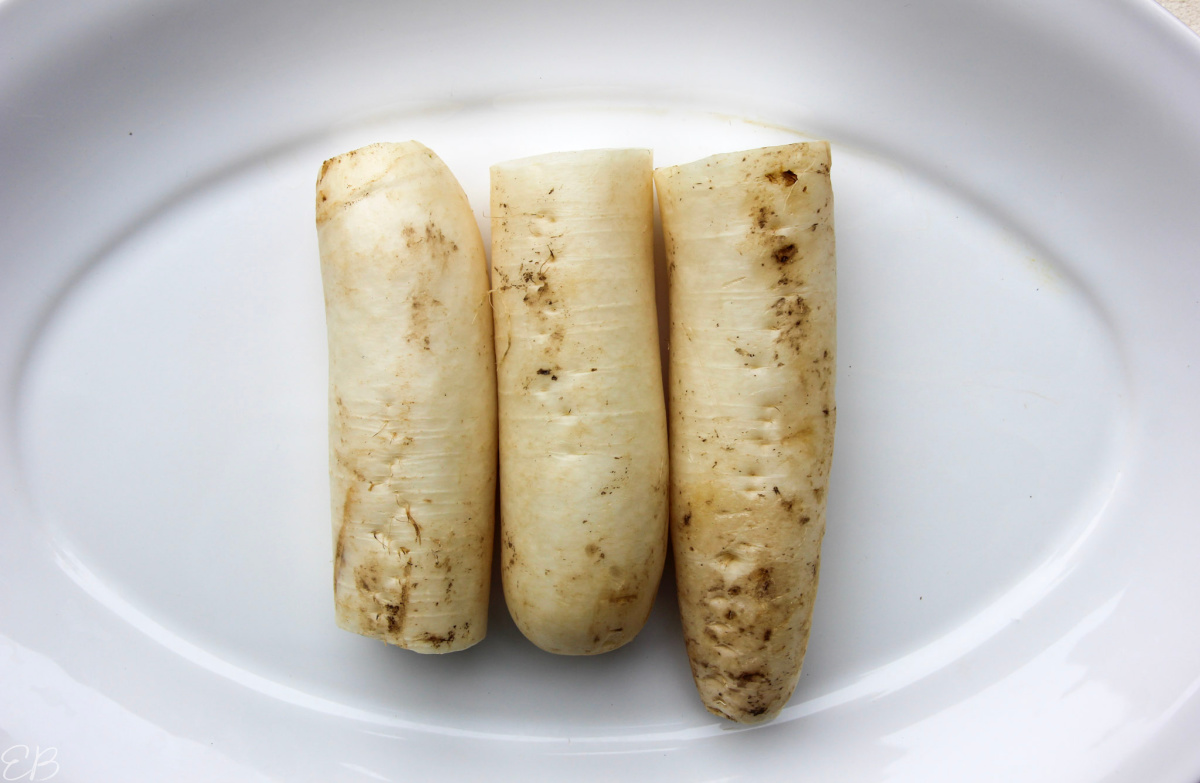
[[412, 400], [752, 291], [583, 445]]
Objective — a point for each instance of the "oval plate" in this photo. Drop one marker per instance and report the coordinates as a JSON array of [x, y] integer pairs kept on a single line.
[[1009, 588]]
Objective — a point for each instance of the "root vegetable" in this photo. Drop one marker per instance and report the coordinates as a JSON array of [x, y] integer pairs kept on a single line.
[[412, 405], [750, 248], [583, 447]]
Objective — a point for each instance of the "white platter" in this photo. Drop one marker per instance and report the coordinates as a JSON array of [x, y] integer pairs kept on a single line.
[[1009, 587]]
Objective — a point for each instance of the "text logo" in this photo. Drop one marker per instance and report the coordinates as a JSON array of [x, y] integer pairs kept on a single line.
[[21, 762]]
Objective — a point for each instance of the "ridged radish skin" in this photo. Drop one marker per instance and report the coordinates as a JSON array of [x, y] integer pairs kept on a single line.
[[583, 442], [412, 404], [752, 292]]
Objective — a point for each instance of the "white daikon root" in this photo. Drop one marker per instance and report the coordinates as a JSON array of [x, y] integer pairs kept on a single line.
[[583, 447], [412, 401], [750, 248]]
